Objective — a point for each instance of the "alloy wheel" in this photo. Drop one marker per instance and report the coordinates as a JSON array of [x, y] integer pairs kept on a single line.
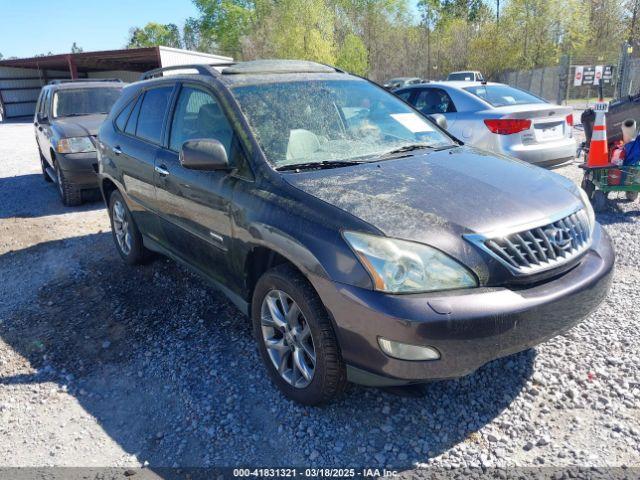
[[287, 336], [121, 227]]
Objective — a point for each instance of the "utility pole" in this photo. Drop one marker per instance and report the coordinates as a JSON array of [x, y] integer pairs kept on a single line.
[[497, 11], [634, 17]]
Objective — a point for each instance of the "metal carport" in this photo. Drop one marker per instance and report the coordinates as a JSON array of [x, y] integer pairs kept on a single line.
[[21, 79]]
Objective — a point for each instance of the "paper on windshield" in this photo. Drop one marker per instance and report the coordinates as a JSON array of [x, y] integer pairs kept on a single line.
[[412, 122]]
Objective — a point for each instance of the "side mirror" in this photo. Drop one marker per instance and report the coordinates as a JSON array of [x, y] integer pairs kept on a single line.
[[439, 120], [204, 154]]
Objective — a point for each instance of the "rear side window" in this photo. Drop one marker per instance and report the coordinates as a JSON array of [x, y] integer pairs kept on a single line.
[[502, 95], [198, 115], [434, 100], [152, 112], [133, 118], [121, 120], [462, 76], [43, 109]]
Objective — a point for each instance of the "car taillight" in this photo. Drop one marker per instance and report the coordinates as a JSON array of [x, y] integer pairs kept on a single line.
[[507, 126], [570, 119]]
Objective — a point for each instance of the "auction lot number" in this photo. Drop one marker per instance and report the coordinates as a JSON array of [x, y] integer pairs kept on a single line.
[[313, 472]]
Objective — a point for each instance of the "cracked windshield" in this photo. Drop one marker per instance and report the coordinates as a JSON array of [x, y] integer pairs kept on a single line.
[[332, 121]]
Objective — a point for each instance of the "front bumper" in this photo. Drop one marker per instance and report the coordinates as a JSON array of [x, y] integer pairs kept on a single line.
[[468, 327], [80, 169]]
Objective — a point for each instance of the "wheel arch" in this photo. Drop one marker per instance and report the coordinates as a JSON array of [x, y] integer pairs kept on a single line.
[[107, 187]]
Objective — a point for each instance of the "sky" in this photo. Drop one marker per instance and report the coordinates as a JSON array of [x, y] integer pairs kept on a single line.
[[30, 27]]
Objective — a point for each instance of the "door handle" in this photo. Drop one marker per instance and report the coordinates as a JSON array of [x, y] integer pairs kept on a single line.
[[116, 150], [162, 170]]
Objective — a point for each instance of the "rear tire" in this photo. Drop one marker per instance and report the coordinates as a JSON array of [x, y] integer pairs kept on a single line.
[[70, 195], [304, 340], [631, 196], [126, 234]]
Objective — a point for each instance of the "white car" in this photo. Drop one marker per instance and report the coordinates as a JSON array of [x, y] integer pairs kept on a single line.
[[466, 76], [500, 119]]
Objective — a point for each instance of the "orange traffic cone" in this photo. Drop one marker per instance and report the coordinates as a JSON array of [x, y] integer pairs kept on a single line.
[[599, 148]]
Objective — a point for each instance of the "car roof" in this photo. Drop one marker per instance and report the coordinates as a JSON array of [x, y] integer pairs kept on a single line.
[[253, 67], [253, 72], [459, 84], [81, 84]]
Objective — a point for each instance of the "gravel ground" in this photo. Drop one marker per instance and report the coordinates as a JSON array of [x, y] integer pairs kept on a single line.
[[102, 364]]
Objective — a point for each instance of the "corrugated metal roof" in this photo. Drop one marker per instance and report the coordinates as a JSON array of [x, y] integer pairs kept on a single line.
[[131, 59]]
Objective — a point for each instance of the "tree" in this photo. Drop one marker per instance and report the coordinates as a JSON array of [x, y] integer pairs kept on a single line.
[[352, 55], [75, 48], [226, 22], [382, 39], [430, 12], [1, 57], [194, 38], [155, 34], [304, 30]]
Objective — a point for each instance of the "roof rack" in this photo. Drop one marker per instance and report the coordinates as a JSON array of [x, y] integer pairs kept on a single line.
[[83, 80], [201, 68]]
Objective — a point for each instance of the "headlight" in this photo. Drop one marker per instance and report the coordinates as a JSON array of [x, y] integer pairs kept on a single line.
[[398, 266], [75, 145], [589, 209]]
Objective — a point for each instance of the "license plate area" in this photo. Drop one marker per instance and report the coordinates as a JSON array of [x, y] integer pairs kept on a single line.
[[549, 131]]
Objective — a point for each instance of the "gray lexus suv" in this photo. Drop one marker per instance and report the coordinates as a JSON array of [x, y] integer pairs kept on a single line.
[[68, 115], [364, 242]]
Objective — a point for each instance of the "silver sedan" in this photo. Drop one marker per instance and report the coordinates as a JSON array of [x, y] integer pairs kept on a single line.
[[500, 119]]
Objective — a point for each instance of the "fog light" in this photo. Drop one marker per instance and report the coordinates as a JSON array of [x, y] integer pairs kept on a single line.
[[404, 351]]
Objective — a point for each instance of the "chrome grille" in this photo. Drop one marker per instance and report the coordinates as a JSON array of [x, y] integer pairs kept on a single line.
[[542, 247]]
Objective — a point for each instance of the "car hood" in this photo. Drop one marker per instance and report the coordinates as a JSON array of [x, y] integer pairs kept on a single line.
[[437, 196], [82, 126]]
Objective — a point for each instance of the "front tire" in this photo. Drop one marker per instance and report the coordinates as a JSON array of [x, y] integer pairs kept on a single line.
[[70, 195], [126, 235], [295, 337]]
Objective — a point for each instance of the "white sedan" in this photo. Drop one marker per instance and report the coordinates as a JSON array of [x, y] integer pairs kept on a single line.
[[500, 119]]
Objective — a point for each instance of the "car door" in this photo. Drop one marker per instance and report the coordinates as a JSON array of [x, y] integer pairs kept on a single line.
[[430, 100], [141, 124], [194, 205], [43, 124], [38, 116]]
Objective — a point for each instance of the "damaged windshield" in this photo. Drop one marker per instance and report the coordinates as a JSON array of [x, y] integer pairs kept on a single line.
[[320, 122]]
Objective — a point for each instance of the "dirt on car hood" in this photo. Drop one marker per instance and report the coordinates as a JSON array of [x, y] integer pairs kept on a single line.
[[434, 196]]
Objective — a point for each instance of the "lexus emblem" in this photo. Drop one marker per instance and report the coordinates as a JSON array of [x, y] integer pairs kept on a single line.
[[558, 238]]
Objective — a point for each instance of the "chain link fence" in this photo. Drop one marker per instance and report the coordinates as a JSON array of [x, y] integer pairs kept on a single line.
[[543, 82], [574, 81]]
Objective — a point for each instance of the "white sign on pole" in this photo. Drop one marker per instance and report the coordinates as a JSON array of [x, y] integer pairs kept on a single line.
[[601, 107], [577, 76], [598, 75]]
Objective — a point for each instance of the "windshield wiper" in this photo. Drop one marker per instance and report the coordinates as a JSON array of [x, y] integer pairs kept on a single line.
[[319, 165], [403, 149], [410, 148]]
